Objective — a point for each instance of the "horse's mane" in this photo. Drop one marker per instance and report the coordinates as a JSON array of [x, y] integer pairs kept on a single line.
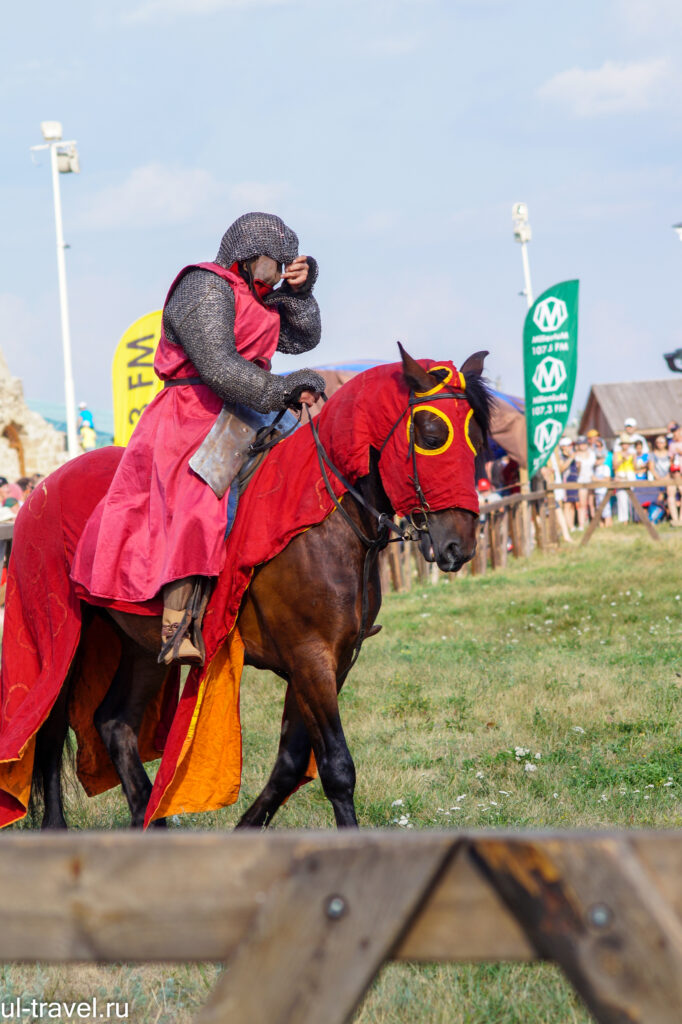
[[481, 399]]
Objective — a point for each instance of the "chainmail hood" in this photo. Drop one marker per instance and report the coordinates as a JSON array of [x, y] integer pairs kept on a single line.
[[258, 234]]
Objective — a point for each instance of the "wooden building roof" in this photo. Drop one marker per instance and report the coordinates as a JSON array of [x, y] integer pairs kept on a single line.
[[653, 403]]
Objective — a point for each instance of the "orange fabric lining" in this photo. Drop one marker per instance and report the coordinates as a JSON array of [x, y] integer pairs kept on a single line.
[[208, 769]]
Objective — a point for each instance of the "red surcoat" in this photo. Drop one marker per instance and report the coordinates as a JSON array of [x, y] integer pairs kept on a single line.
[[159, 521]]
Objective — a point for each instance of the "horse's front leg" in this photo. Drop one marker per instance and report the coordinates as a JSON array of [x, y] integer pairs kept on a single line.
[[292, 760], [315, 687]]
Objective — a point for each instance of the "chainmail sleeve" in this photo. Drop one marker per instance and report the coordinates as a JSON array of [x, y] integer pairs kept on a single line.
[[299, 312], [199, 317]]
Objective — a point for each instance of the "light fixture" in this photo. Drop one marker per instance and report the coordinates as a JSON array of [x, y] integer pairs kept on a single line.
[[52, 130]]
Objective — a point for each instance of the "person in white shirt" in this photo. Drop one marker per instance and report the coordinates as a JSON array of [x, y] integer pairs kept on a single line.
[[629, 435]]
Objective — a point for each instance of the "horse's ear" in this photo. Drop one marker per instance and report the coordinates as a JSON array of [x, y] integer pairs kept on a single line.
[[474, 364], [415, 375]]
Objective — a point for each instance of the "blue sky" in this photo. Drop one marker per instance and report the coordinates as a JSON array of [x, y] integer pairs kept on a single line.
[[392, 135]]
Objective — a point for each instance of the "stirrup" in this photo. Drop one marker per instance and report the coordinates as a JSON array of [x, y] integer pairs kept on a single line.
[[176, 646]]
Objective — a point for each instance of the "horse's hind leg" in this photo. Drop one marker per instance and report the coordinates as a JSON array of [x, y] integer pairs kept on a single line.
[[48, 760], [292, 760], [118, 720]]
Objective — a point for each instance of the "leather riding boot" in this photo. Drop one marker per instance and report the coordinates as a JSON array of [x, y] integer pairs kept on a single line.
[[178, 617]]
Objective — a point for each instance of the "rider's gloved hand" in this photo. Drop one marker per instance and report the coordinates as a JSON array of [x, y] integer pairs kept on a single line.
[[302, 387]]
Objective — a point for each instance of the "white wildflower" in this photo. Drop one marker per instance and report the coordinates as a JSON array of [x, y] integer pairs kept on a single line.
[[528, 767], [480, 775], [397, 803], [578, 728]]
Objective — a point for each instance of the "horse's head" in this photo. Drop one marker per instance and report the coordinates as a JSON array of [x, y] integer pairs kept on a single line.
[[447, 536]]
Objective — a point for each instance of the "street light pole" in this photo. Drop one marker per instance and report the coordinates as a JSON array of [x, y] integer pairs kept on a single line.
[[63, 159], [523, 234]]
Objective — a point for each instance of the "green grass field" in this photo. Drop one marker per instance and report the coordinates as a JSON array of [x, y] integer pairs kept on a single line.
[[545, 695]]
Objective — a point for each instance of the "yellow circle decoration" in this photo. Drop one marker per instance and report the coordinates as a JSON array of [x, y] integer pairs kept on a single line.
[[440, 385], [437, 412], [466, 431]]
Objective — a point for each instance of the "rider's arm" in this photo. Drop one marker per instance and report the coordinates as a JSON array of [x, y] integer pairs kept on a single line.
[[299, 313], [199, 316]]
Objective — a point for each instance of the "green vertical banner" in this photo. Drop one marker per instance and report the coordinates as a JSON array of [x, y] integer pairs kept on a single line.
[[550, 362]]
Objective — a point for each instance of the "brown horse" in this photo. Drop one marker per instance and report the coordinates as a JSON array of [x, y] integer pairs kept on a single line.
[[307, 636]]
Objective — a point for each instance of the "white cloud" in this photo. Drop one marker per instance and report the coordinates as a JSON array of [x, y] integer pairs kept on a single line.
[[659, 18], [395, 46], [160, 196], [155, 10], [151, 196], [30, 340], [614, 88], [257, 195]]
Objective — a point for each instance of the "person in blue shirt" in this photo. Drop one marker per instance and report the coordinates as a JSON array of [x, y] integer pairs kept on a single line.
[[85, 416]]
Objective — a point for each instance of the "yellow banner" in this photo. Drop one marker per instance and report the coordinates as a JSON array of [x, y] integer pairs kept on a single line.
[[133, 379]]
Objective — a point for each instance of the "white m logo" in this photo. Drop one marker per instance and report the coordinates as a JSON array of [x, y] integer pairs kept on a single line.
[[550, 314], [549, 375], [547, 434]]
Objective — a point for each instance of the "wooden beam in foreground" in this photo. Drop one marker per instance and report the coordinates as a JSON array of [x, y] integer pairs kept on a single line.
[[306, 919]]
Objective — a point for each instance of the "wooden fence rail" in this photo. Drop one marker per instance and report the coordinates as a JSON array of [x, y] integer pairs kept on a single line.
[[306, 919], [513, 527]]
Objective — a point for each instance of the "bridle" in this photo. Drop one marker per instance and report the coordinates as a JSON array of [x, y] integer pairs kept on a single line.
[[422, 508], [384, 522]]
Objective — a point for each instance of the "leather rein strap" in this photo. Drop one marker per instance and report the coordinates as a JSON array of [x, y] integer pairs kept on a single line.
[[385, 523]]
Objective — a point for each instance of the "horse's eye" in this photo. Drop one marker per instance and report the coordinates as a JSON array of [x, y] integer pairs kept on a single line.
[[431, 432]]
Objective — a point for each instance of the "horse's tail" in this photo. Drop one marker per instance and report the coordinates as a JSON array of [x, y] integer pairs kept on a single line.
[[55, 751]]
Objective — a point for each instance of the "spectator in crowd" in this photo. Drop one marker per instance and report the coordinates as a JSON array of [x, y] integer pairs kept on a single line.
[[584, 456], [600, 448], [552, 474], [486, 494], [85, 418], [88, 438], [569, 474], [86, 428], [641, 461], [660, 465], [17, 494], [675, 445], [675, 451], [624, 469], [602, 471], [641, 473], [629, 435]]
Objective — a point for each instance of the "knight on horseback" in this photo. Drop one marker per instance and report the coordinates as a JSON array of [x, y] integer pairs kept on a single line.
[[160, 528]]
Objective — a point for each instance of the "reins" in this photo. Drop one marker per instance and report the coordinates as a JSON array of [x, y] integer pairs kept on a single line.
[[385, 523]]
